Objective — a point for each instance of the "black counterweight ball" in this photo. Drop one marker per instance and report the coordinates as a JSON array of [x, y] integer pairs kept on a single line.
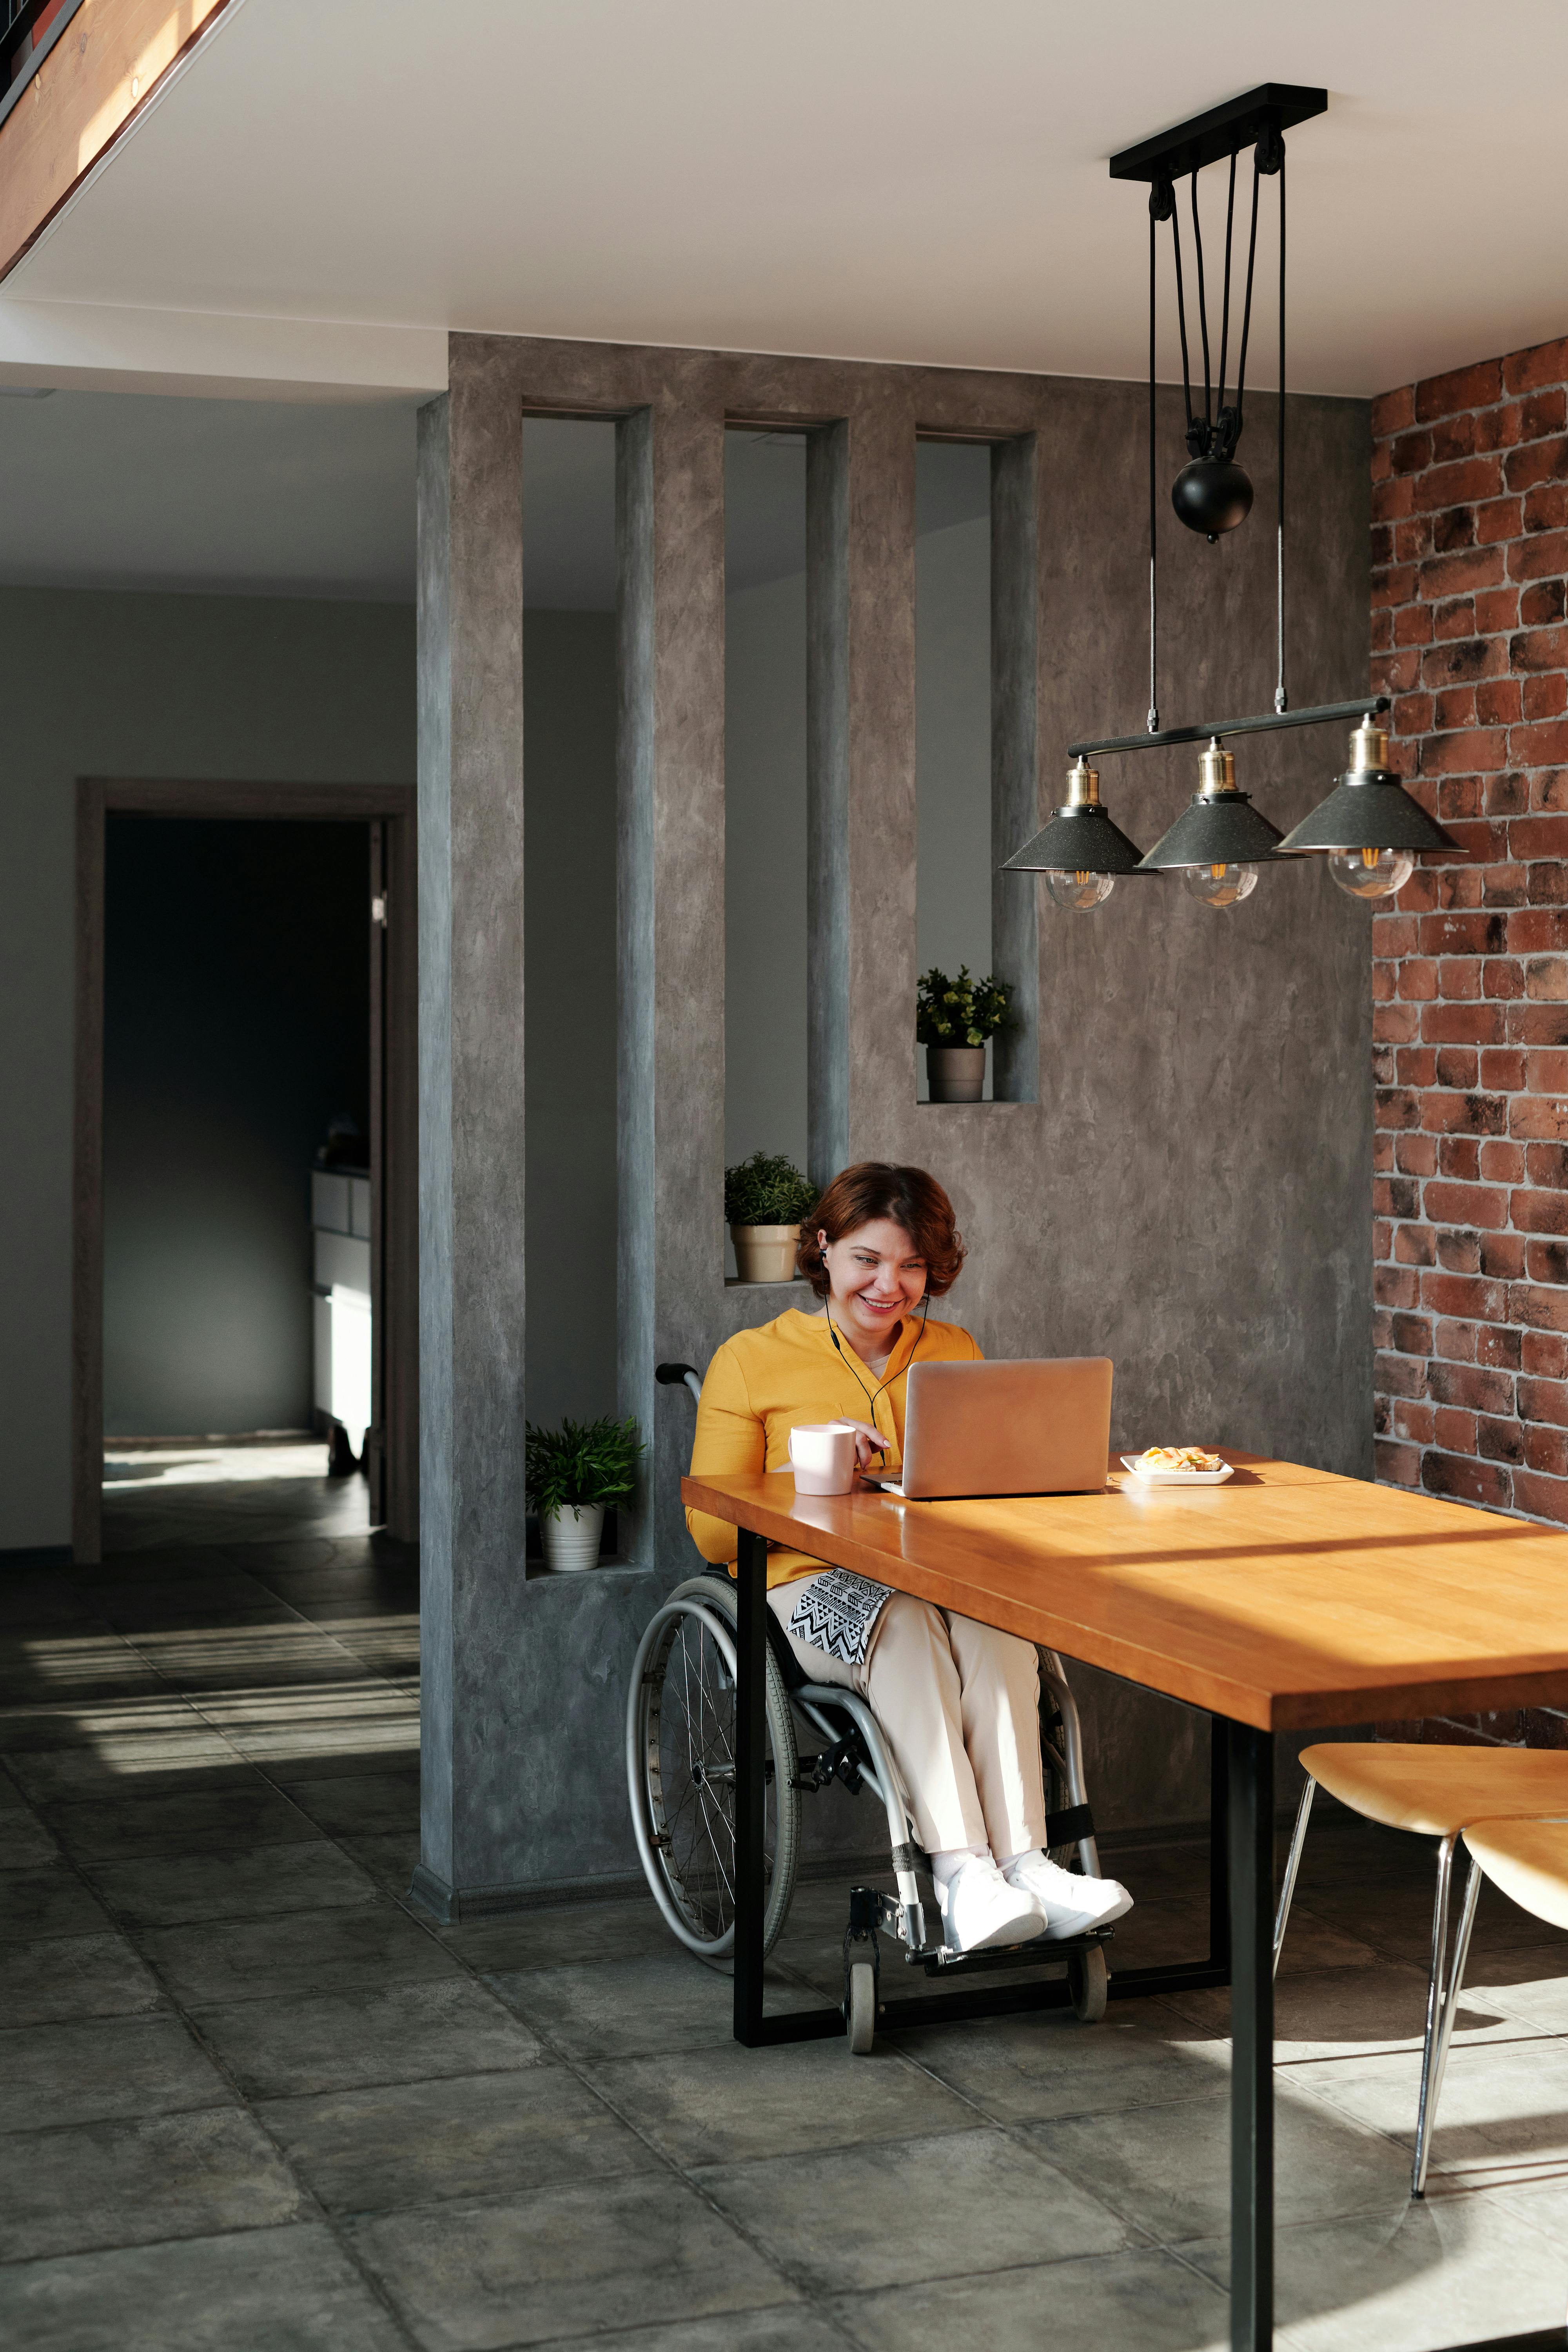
[[1212, 495]]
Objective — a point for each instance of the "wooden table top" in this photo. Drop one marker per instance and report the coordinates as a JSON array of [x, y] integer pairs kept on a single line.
[[1286, 1597]]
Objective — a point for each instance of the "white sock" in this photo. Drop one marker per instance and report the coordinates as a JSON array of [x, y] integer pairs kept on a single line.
[[945, 1864]]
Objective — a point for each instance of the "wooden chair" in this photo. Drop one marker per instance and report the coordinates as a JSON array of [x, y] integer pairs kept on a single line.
[[1434, 1792]]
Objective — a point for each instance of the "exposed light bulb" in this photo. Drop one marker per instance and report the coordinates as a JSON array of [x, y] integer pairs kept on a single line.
[[1220, 885], [1080, 891], [1371, 873]]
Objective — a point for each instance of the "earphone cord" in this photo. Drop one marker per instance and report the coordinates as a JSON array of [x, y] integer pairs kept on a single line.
[[870, 1396]]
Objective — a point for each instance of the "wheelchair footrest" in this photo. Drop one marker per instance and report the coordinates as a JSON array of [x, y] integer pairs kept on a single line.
[[1036, 1954]]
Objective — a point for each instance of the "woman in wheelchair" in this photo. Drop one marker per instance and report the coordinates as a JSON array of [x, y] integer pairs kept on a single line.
[[957, 1701]]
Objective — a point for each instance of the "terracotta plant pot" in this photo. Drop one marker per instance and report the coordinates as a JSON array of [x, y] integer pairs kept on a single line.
[[571, 1540], [956, 1073], [765, 1253]]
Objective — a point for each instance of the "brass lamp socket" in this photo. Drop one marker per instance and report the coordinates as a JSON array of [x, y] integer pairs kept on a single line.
[[1083, 785], [1216, 771], [1368, 748]]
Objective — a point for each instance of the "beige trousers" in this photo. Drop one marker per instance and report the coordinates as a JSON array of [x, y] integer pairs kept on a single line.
[[959, 1707]]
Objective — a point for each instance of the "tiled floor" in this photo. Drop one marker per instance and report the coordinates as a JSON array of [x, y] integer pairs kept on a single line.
[[248, 2098]]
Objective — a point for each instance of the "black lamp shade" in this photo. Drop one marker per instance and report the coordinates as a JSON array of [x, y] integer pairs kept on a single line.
[[1369, 811], [1217, 829], [1079, 840]]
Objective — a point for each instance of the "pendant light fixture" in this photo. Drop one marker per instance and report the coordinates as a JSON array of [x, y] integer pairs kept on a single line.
[[1218, 841], [1080, 852], [1369, 828]]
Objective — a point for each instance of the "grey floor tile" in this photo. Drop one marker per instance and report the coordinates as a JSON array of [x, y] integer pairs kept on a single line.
[[74, 1976], [287, 2290], [791, 2327], [248, 1656], [463, 2136], [164, 1761], [309, 1951], [118, 2184], [389, 1859], [24, 1842], [172, 1890], [1336, 2012], [565, 1935], [70, 1664], [636, 2008], [1030, 2068], [1502, 2119], [342, 2040], [103, 2070], [350, 1762], [891, 2212], [1449, 2270], [368, 1804], [1527, 1981], [639, 2251], [51, 1902], [241, 1809], [721, 2106], [1167, 2169], [1135, 2302], [123, 1723]]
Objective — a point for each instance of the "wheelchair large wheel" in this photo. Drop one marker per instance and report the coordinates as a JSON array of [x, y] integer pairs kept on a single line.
[[680, 1771]]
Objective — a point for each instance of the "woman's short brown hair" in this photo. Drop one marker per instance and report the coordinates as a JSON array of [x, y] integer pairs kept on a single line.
[[908, 1197]]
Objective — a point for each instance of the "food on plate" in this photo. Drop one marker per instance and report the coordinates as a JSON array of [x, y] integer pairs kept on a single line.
[[1179, 1457]]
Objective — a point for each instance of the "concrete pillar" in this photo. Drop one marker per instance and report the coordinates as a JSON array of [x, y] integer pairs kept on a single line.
[[671, 533], [471, 1300]]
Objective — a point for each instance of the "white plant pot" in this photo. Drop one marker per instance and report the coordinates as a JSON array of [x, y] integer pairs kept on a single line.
[[765, 1253], [571, 1540], [956, 1073]]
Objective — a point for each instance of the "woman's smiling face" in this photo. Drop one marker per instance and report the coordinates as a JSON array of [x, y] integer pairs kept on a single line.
[[877, 1275]]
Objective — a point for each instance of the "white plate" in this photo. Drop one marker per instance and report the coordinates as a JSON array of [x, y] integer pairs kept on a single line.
[[1134, 1462]]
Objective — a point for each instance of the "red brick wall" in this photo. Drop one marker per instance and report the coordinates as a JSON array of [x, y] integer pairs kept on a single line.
[[1470, 966]]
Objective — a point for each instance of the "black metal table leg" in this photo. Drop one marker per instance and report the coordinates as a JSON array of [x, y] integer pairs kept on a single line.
[[1251, 1857], [750, 1752]]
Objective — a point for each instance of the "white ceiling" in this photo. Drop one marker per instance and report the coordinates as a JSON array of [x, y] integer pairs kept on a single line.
[[322, 192]]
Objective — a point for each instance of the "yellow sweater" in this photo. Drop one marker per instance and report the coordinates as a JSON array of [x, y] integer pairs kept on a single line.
[[760, 1384]]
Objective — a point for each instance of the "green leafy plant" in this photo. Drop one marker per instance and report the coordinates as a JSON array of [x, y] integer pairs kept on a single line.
[[961, 1012], [766, 1191], [581, 1464]]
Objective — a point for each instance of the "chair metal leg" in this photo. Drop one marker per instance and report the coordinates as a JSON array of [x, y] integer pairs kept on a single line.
[[1292, 1865], [1442, 2007]]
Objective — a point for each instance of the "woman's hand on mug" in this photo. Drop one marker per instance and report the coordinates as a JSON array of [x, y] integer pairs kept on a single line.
[[869, 1444]]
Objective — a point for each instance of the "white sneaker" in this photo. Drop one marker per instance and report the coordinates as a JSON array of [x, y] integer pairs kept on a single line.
[[979, 1907], [1069, 1904]]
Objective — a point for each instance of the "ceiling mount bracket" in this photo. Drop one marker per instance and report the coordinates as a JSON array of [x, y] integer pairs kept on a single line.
[[1259, 115]]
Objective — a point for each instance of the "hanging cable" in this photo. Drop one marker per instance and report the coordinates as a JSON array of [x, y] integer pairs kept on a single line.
[[1154, 484], [1176, 220], [1281, 702], [1225, 301], [1204, 324], [1246, 307]]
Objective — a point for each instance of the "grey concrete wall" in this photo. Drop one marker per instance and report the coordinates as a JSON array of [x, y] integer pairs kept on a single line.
[[271, 689], [1190, 1191]]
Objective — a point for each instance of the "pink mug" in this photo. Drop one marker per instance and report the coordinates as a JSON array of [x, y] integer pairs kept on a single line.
[[822, 1457]]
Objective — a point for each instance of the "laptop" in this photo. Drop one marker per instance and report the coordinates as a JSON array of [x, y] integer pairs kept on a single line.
[[1039, 1426]]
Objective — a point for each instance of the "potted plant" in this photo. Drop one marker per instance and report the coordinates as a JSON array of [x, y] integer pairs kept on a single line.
[[765, 1199], [952, 1019], [571, 1474]]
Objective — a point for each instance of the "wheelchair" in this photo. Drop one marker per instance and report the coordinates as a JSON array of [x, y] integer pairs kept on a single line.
[[680, 1774]]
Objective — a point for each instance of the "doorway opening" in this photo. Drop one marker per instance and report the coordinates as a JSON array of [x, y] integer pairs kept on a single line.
[[245, 1296]]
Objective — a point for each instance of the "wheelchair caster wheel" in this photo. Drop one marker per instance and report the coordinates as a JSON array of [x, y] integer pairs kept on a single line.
[[860, 2009], [1089, 1980]]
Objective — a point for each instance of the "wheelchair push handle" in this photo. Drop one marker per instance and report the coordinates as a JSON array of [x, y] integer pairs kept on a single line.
[[670, 1376]]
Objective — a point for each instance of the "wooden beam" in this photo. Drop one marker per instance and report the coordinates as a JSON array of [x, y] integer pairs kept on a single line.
[[109, 63]]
